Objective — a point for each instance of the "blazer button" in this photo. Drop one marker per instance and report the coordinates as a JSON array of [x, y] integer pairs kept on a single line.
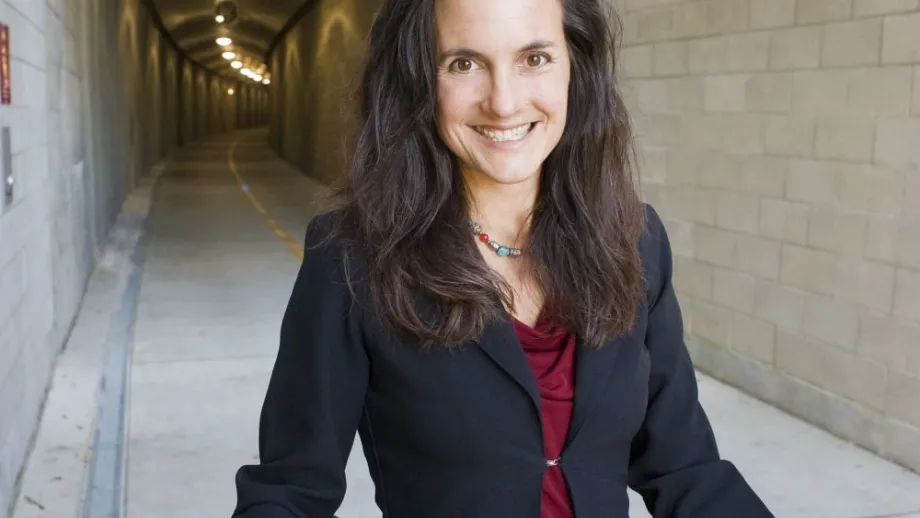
[[553, 462]]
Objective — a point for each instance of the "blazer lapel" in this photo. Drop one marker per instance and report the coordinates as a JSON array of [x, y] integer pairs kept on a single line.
[[593, 369], [500, 342]]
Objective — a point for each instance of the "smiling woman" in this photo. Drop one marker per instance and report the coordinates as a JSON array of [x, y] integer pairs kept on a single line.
[[492, 307], [502, 107]]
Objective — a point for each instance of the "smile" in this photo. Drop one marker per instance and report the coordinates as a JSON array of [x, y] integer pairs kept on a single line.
[[508, 135]]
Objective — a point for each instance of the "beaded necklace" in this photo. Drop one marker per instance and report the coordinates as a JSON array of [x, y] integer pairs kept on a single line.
[[501, 250]]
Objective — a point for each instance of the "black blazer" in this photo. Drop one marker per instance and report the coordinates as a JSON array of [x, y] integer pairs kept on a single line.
[[458, 434]]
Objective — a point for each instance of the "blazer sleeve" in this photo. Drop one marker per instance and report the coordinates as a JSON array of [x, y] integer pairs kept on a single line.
[[314, 400], [675, 464]]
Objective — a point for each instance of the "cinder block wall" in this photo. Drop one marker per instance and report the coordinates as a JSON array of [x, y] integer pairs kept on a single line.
[[780, 140], [95, 103]]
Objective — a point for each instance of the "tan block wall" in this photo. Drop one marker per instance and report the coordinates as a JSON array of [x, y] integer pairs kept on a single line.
[[780, 141]]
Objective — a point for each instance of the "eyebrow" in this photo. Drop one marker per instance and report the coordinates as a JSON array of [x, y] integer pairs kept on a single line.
[[464, 51]]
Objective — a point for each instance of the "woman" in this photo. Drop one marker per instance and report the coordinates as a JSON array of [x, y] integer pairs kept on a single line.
[[492, 308]]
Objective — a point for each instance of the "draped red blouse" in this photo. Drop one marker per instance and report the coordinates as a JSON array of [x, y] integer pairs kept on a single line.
[[551, 353]]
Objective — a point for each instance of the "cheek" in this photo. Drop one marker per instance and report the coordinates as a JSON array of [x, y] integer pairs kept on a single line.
[[552, 99], [456, 100], [550, 94], [561, 97]]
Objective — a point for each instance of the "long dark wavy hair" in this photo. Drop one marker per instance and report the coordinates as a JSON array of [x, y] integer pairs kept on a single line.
[[405, 205]]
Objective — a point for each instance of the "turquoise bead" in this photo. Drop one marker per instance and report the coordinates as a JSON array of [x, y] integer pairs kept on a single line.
[[504, 251]]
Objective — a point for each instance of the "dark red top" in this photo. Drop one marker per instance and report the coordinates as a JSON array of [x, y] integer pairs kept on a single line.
[[551, 353]]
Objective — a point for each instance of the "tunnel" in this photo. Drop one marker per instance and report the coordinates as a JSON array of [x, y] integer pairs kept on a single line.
[[163, 159]]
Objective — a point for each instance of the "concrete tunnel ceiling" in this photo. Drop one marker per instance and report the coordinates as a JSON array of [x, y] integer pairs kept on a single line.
[[194, 27]]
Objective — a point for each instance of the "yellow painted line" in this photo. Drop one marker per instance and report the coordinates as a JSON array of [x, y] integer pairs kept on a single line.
[[286, 238]]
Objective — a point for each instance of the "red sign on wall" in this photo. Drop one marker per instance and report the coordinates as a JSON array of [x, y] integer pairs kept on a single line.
[[4, 63]]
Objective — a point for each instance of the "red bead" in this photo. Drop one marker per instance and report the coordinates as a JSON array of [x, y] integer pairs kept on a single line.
[[484, 237]]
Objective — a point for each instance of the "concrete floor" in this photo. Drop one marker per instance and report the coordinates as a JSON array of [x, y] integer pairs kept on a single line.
[[214, 286]]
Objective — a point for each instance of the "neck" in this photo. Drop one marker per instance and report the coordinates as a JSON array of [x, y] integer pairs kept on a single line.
[[503, 210]]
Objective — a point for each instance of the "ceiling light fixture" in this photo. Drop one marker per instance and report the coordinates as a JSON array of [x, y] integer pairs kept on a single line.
[[225, 11], [266, 81], [228, 55], [237, 64], [223, 41]]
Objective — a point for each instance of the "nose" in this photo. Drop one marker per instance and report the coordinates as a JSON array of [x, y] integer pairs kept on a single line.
[[505, 94]]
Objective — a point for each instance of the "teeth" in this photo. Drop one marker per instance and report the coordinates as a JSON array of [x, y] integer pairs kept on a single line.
[[506, 135]]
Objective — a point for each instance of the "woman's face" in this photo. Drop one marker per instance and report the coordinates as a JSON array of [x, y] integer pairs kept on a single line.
[[503, 78]]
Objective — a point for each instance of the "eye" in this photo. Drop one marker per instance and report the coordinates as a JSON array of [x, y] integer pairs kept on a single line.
[[536, 60], [462, 65]]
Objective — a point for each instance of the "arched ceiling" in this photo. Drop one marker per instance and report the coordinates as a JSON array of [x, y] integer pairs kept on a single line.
[[192, 25]]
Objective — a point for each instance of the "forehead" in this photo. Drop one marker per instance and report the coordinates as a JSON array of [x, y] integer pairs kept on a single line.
[[495, 23]]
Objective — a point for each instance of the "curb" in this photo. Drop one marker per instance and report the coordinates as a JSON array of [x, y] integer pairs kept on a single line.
[[76, 467]]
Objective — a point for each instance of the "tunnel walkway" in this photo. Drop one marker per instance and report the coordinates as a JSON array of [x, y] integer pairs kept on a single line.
[[225, 225], [216, 281]]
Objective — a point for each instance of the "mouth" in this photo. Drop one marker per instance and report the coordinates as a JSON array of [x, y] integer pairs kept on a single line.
[[506, 135]]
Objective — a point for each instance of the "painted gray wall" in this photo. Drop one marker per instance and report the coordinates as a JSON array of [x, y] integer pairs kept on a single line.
[[96, 102], [313, 70]]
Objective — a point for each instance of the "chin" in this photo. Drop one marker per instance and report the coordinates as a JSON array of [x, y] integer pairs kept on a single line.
[[510, 170], [502, 171], [513, 177]]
